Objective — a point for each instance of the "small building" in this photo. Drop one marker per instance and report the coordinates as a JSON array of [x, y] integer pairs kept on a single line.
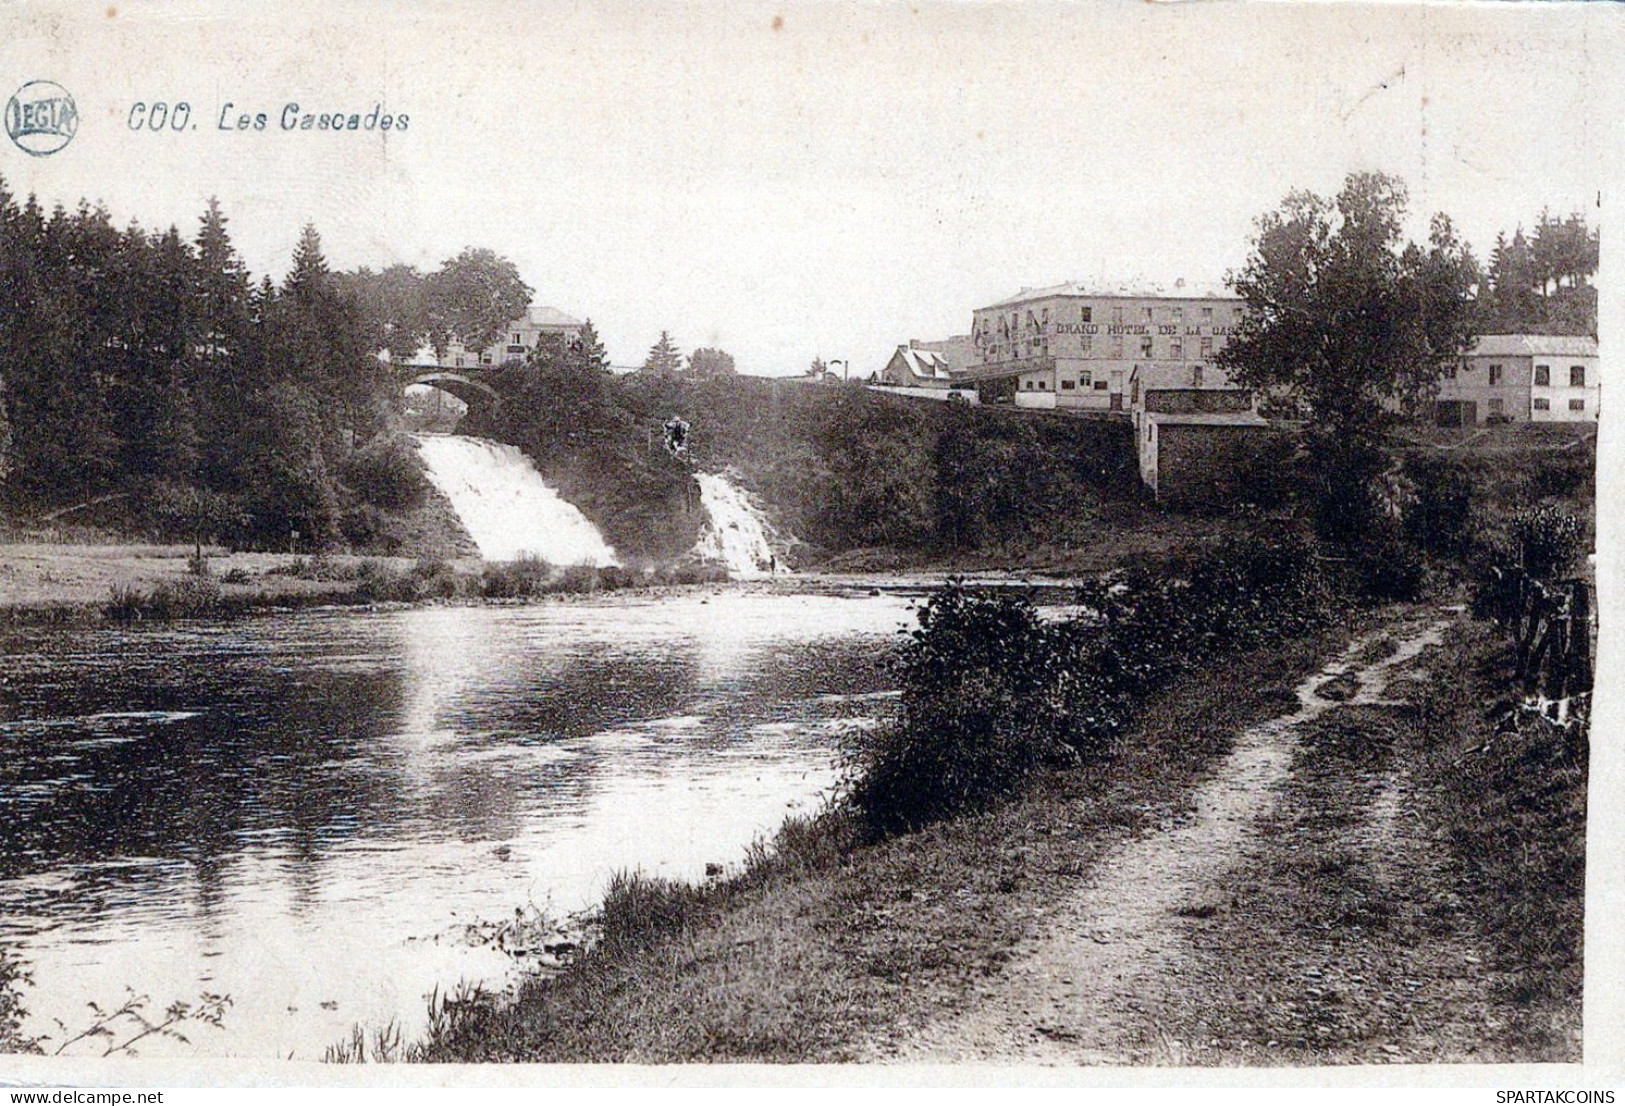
[[519, 338], [914, 367], [1198, 459], [1521, 378], [1196, 434]]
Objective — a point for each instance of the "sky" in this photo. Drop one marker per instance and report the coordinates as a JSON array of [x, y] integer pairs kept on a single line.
[[795, 180]]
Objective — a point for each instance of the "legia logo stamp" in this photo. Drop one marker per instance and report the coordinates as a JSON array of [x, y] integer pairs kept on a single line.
[[41, 118]]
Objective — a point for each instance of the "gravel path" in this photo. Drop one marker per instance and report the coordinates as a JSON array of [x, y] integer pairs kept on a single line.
[[1118, 976]]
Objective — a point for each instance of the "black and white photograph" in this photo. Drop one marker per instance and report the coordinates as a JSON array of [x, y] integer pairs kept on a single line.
[[1035, 539]]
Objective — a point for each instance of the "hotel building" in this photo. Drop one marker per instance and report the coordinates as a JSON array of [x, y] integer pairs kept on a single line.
[[1071, 346]]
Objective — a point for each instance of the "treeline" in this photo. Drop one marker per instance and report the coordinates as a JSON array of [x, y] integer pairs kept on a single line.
[[839, 467], [150, 376], [1540, 283]]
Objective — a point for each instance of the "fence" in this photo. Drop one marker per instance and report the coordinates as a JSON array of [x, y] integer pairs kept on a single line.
[[1555, 631]]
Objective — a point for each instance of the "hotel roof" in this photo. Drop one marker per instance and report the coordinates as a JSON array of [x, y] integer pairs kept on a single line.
[[1179, 290], [1533, 345]]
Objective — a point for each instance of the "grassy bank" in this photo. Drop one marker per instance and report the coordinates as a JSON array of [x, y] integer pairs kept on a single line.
[[51, 584]]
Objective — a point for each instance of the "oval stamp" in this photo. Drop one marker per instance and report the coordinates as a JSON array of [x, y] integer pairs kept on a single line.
[[41, 118]]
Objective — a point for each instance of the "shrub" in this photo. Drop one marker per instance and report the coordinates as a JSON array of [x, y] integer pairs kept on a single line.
[[973, 725], [380, 583], [1439, 515], [184, 597], [990, 693], [387, 472], [1388, 572], [366, 527], [1548, 539], [435, 578], [523, 576]]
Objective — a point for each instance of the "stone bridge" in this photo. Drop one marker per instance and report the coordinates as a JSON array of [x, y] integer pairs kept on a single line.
[[465, 384]]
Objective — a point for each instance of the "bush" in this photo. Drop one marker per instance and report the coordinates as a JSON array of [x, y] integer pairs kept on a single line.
[[1389, 571], [434, 578], [523, 576], [366, 527], [1548, 540], [990, 693], [388, 473], [1439, 516], [184, 597], [973, 727]]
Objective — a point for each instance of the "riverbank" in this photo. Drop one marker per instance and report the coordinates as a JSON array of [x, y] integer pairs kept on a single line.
[[47, 583], [1349, 905], [44, 582]]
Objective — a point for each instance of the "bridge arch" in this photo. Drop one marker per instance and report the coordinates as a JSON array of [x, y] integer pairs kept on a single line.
[[468, 390]]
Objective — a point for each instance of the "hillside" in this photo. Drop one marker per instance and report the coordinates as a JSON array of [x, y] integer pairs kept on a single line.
[[837, 469]]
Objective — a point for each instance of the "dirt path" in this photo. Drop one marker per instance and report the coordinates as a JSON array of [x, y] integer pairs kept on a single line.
[[1127, 974]]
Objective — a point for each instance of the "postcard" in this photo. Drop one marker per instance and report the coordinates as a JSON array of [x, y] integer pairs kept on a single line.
[[1043, 542]]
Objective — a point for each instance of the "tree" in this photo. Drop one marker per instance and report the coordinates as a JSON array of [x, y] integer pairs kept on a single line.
[[817, 369], [473, 297], [591, 348], [1358, 325], [664, 357], [392, 308], [708, 364]]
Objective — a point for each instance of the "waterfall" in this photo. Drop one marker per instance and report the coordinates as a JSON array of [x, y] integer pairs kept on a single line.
[[735, 531], [505, 505]]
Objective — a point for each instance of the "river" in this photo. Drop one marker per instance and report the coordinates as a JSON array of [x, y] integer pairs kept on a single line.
[[306, 811]]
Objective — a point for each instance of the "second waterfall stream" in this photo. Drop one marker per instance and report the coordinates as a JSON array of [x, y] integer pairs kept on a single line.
[[735, 530]]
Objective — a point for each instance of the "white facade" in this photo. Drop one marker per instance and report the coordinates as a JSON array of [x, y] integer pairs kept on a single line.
[[519, 338], [1522, 377], [1070, 346]]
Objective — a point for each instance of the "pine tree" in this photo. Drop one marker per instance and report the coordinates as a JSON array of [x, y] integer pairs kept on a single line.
[[590, 349], [664, 357]]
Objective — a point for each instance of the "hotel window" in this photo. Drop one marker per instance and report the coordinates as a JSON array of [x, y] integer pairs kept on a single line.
[[1027, 384], [485, 358], [1117, 346], [1117, 313], [1207, 314], [1176, 351], [1043, 316], [1150, 314], [1450, 372], [1498, 406], [1100, 385], [1543, 375], [1085, 314], [1495, 375], [1196, 376], [1543, 405], [1207, 347], [1043, 385], [1085, 376], [1086, 343], [1577, 405], [1577, 377], [1068, 385], [1179, 314], [1145, 347], [516, 339]]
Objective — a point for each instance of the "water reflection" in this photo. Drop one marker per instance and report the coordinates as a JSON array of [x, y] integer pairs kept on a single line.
[[302, 810]]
